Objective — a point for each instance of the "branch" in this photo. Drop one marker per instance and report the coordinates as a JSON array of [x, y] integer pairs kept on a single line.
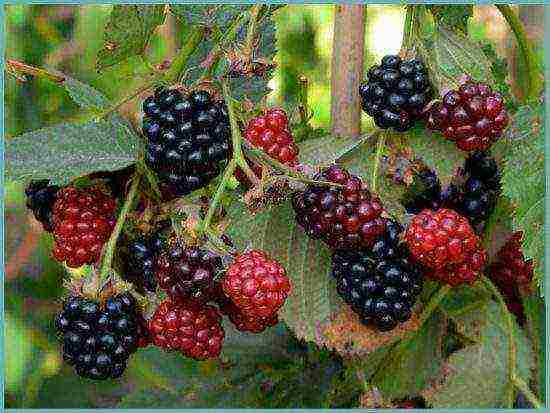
[[534, 79], [19, 67]]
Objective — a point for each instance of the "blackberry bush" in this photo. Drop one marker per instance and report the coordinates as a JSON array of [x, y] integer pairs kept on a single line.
[[382, 284], [98, 339], [474, 117], [347, 216], [396, 92], [187, 138]]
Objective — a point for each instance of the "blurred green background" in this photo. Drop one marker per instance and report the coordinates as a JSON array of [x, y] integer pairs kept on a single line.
[[67, 38]]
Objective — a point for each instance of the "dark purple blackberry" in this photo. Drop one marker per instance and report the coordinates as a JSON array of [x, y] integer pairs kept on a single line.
[[187, 272], [40, 199], [187, 139], [396, 92], [142, 254], [423, 193], [98, 340], [476, 191], [381, 284]]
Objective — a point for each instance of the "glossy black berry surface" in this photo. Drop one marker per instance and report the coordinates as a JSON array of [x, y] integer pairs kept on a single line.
[[187, 138], [424, 192], [98, 340], [396, 92], [380, 284], [40, 199]]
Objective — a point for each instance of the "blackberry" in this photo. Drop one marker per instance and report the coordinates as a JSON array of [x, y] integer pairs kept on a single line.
[[98, 340], [41, 197], [187, 139], [139, 266], [473, 116], [348, 216], [423, 193], [381, 284], [187, 272], [396, 92], [475, 197]]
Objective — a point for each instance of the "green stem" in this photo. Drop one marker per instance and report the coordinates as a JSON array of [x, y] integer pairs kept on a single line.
[[524, 388], [434, 303], [408, 27], [24, 68], [534, 79], [251, 30], [303, 97], [230, 168], [511, 342], [111, 244], [379, 148]]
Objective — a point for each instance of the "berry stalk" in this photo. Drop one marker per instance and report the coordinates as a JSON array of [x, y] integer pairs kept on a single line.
[[111, 244], [535, 83], [379, 148]]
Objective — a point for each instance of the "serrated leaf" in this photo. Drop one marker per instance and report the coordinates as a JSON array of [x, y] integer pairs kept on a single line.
[[523, 182], [84, 95], [216, 15], [66, 151], [410, 366], [477, 376], [453, 16], [449, 55], [307, 263], [128, 32], [328, 149]]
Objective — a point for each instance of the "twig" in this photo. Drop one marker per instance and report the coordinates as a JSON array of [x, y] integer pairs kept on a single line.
[[534, 78], [379, 147], [230, 168]]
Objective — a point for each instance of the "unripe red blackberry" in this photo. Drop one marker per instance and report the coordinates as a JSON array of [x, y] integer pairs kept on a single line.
[[474, 117], [396, 92], [270, 132], [380, 284], [188, 326], [186, 271], [99, 339], [40, 199], [83, 219], [445, 243], [347, 216], [187, 139], [256, 284]]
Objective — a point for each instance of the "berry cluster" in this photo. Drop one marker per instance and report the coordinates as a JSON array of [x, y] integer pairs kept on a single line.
[[257, 285], [188, 326], [98, 340], [511, 273], [40, 199], [186, 271], [473, 116], [476, 196], [187, 138], [270, 132], [396, 92], [445, 243], [380, 284], [343, 216], [82, 222], [139, 266]]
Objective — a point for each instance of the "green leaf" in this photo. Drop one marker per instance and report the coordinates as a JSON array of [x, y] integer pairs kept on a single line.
[[535, 314], [477, 376], [128, 31], [307, 263], [66, 151], [328, 149], [523, 182], [216, 15], [84, 95], [453, 16], [17, 337], [449, 55], [412, 363]]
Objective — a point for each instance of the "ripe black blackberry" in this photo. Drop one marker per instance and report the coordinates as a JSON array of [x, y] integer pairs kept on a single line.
[[475, 193], [187, 138], [381, 284], [423, 193], [40, 199], [396, 92], [98, 340], [185, 272], [139, 267]]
